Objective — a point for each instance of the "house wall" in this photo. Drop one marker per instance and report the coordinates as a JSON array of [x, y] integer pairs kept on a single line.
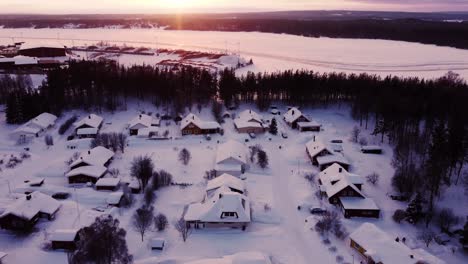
[[325, 166], [191, 129], [361, 213], [315, 129], [13, 222], [41, 52], [256, 130], [81, 179], [200, 225], [66, 245], [106, 188]]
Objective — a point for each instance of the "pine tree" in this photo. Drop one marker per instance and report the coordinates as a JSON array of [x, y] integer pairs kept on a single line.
[[273, 127], [414, 210]]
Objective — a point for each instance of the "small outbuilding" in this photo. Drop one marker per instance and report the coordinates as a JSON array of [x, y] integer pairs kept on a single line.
[[309, 126], [64, 239], [107, 184], [86, 174], [115, 199], [359, 207], [372, 149], [157, 243], [42, 50], [293, 116]]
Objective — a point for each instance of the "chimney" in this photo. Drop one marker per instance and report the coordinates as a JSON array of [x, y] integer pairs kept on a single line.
[[292, 112], [140, 116], [193, 117], [250, 111], [340, 170], [314, 138], [89, 152], [89, 116], [411, 256], [28, 197]]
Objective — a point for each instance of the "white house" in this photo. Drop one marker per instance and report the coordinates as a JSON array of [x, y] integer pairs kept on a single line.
[[107, 184], [323, 156], [193, 125], [35, 127], [248, 121], [376, 246], [293, 116], [98, 156], [231, 158], [90, 121], [142, 121], [85, 174], [335, 173], [223, 209]]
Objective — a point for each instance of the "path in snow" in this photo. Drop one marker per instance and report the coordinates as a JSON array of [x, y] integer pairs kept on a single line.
[[306, 242]]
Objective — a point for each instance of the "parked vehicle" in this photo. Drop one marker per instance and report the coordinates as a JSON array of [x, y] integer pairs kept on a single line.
[[60, 195], [252, 135], [399, 197], [284, 135], [317, 210]]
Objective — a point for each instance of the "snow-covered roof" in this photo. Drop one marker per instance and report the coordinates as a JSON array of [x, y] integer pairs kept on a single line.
[[221, 201], [141, 121], [64, 235], [96, 156], [233, 151], [226, 180], [91, 171], [308, 124], [87, 131], [382, 248], [90, 120], [36, 44], [242, 123], [327, 159], [43, 120], [25, 130], [336, 172], [108, 182], [250, 116], [194, 119], [315, 146], [292, 115], [157, 242], [357, 203], [20, 60], [27, 209], [249, 257], [331, 190], [114, 198]]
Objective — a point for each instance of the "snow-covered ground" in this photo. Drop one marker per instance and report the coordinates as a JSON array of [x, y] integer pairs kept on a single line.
[[274, 52], [280, 232]]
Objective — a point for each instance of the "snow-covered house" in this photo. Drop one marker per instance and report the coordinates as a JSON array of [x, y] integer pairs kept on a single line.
[[309, 126], [89, 126], [226, 181], [24, 213], [323, 156], [35, 127], [249, 257], [293, 116], [98, 156], [231, 158], [86, 174], [248, 121], [377, 247], [359, 207], [157, 243], [342, 188], [64, 239], [335, 173], [223, 209], [193, 125], [42, 50], [115, 199], [142, 121], [372, 149]]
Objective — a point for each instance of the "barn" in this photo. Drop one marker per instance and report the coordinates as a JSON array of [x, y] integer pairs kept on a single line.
[[42, 50]]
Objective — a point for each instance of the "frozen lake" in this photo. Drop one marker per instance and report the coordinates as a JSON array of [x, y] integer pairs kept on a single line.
[[274, 52]]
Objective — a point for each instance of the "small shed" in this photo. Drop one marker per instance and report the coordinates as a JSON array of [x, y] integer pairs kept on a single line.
[[64, 239], [107, 184], [115, 199], [36, 182], [359, 207], [371, 149], [89, 132], [157, 243], [309, 126]]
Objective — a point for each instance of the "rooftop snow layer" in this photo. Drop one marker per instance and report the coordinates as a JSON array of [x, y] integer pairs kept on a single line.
[[233, 150], [194, 119], [91, 171], [90, 120], [27, 209], [292, 115], [357, 203], [96, 156], [64, 235]]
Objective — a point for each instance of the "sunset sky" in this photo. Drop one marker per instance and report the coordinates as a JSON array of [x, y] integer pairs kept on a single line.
[[164, 6]]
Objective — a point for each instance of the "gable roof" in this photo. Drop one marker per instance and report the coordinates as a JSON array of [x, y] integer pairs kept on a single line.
[[221, 201], [336, 172], [27, 209], [44, 120], [357, 203], [114, 198], [107, 182], [315, 146], [232, 149], [142, 119], [91, 171], [249, 116], [90, 120], [194, 119], [292, 115], [332, 190], [382, 248], [327, 159], [226, 180], [96, 156]]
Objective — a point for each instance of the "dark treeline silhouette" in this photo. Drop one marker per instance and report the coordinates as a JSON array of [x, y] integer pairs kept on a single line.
[[424, 120]]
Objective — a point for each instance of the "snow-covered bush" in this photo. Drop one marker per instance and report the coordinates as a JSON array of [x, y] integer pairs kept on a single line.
[[399, 215], [185, 156], [446, 219], [160, 222], [67, 124], [331, 223], [262, 159], [373, 178]]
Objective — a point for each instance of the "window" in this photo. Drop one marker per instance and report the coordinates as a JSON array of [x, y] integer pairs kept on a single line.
[[229, 214]]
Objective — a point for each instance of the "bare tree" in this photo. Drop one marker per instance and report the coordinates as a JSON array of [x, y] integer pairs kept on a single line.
[[373, 178], [355, 134], [446, 219], [185, 156], [427, 236], [142, 169], [181, 226], [143, 220]]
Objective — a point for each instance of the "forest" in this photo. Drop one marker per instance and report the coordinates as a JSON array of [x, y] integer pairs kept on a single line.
[[424, 120]]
